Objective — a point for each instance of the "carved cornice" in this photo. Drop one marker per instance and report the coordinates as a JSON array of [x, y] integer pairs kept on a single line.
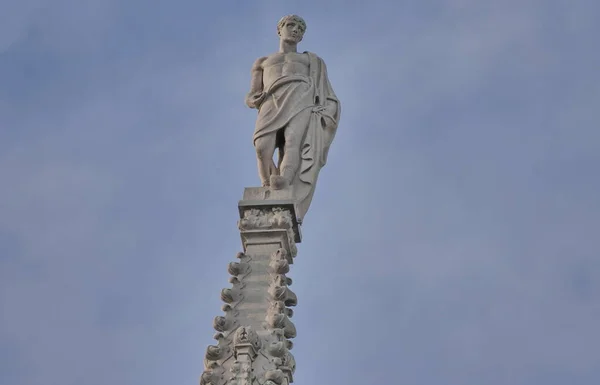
[[269, 219], [266, 218]]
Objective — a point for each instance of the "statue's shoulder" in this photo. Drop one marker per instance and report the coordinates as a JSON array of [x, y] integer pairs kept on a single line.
[[259, 62], [312, 54]]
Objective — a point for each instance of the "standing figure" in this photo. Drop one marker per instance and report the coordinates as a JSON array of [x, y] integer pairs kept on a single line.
[[298, 114]]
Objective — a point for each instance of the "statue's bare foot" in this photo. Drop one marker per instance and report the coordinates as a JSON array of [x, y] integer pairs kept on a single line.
[[278, 182]]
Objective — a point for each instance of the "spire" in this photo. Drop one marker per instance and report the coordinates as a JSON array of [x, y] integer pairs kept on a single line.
[[298, 114], [253, 336]]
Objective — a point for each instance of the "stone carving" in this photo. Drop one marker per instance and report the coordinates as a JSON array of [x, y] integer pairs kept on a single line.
[[242, 372], [214, 353], [213, 371], [279, 291], [298, 113], [236, 268], [279, 266], [278, 321], [227, 326], [253, 350], [278, 307], [282, 358], [221, 323], [270, 218], [277, 348], [227, 295], [247, 345], [210, 377], [274, 218], [245, 335], [278, 318], [288, 363], [274, 377]]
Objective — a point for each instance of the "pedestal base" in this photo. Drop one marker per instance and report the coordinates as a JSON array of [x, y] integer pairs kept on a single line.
[[264, 198]]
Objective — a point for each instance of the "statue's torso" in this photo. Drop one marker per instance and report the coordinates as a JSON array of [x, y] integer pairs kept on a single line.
[[280, 65]]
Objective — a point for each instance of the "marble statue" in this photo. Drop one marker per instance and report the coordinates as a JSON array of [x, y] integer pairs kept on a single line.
[[298, 114]]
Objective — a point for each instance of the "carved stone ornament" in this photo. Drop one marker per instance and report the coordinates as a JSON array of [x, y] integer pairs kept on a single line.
[[242, 373], [210, 377], [274, 377], [253, 345], [245, 335], [236, 268], [274, 218]]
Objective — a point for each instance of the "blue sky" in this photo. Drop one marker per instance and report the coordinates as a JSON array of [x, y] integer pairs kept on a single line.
[[453, 238]]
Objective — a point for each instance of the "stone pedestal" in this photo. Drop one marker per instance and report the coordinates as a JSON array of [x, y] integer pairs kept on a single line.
[[253, 336], [265, 198]]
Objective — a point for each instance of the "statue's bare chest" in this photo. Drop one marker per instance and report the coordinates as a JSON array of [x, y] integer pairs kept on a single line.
[[283, 64]]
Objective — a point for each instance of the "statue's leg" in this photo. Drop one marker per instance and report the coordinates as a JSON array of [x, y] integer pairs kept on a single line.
[[265, 149], [294, 133]]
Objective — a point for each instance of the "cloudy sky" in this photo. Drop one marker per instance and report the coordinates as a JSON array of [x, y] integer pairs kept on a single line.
[[454, 238]]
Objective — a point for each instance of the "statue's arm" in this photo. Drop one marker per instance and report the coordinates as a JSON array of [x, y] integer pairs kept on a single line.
[[255, 97]]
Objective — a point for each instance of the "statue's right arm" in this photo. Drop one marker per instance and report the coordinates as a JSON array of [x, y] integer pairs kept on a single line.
[[256, 95]]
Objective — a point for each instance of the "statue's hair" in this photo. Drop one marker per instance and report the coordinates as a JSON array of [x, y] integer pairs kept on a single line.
[[295, 18]]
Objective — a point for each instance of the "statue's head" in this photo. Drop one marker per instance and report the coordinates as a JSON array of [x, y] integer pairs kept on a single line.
[[291, 28]]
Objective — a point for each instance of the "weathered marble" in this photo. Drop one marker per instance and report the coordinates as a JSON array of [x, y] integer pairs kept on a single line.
[[298, 114], [265, 199], [253, 335]]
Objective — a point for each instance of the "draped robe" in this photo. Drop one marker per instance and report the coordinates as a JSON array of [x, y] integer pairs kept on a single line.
[[285, 98]]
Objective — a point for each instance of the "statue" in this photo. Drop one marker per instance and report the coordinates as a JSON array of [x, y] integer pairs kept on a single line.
[[298, 114]]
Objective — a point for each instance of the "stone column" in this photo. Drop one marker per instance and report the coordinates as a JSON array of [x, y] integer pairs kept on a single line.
[[253, 336]]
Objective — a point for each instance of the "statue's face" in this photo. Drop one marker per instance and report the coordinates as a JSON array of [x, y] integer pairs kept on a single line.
[[292, 31]]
